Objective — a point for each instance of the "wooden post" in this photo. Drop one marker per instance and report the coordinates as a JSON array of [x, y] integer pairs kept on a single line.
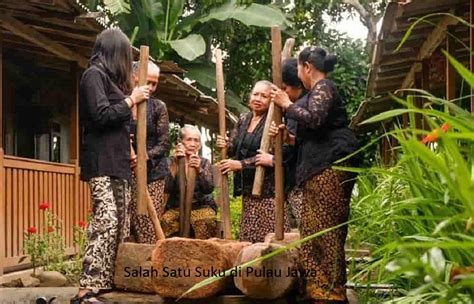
[[417, 101], [224, 193], [182, 193], [74, 150], [190, 184], [265, 147], [2, 169], [277, 117], [141, 137], [1, 88], [2, 212], [151, 209], [450, 71], [265, 143], [425, 85]]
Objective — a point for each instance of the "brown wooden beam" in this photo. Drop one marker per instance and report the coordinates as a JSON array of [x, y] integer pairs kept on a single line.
[[425, 85], [398, 58], [74, 114], [450, 71], [54, 23], [77, 39], [2, 211], [37, 38], [418, 102], [433, 40], [1, 94]]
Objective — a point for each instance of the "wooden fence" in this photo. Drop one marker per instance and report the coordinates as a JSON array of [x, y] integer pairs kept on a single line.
[[24, 184]]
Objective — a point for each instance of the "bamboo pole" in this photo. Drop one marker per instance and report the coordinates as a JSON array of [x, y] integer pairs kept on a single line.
[[190, 184], [279, 184], [265, 147], [266, 141], [182, 192], [151, 210], [224, 193], [141, 137]]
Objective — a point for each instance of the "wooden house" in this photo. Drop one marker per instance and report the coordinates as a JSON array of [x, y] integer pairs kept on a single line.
[[419, 63], [44, 48]]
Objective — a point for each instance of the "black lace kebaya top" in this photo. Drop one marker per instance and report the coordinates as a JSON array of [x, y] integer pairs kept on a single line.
[[322, 134], [243, 146], [203, 188], [157, 139]]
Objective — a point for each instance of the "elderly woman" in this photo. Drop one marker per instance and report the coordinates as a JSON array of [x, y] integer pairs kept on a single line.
[[258, 215], [203, 211], [322, 137]]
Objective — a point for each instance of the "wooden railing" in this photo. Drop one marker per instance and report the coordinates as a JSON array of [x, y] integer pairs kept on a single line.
[[24, 184]]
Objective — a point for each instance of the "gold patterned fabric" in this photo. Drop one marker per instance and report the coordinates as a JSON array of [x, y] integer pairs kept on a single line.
[[325, 203], [203, 222]]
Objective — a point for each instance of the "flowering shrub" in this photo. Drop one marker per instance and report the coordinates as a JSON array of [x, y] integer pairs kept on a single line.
[[47, 248]]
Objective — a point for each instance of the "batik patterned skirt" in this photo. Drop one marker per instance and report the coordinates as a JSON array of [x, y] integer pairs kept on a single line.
[[258, 219], [203, 222], [108, 227], [325, 203], [142, 228]]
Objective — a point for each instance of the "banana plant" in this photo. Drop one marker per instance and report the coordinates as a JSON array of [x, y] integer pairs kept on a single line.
[[177, 25], [183, 30]]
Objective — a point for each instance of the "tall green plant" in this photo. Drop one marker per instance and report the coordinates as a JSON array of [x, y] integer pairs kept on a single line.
[[424, 236], [179, 26], [416, 216]]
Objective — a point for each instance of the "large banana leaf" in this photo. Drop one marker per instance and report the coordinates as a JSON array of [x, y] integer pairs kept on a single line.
[[176, 11], [152, 9], [205, 75], [118, 7], [190, 47], [254, 14]]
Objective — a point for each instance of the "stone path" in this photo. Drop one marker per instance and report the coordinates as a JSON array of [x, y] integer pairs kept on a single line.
[[27, 295], [64, 294]]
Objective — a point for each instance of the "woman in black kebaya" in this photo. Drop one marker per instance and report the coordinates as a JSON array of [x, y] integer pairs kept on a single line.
[[105, 111], [322, 137]]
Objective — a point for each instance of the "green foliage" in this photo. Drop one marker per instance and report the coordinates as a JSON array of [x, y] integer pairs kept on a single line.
[[179, 27], [190, 47], [417, 216], [47, 248], [424, 232], [117, 7], [187, 29], [235, 215], [235, 209]]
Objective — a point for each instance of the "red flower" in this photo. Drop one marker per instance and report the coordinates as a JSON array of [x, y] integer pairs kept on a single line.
[[445, 127], [44, 206], [432, 137], [50, 229], [32, 230], [82, 224]]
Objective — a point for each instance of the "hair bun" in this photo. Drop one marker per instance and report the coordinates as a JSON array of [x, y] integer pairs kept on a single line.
[[329, 63]]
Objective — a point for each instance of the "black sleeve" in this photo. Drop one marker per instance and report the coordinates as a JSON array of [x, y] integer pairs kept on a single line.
[[205, 180], [101, 111], [161, 146], [234, 135], [319, 103]]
